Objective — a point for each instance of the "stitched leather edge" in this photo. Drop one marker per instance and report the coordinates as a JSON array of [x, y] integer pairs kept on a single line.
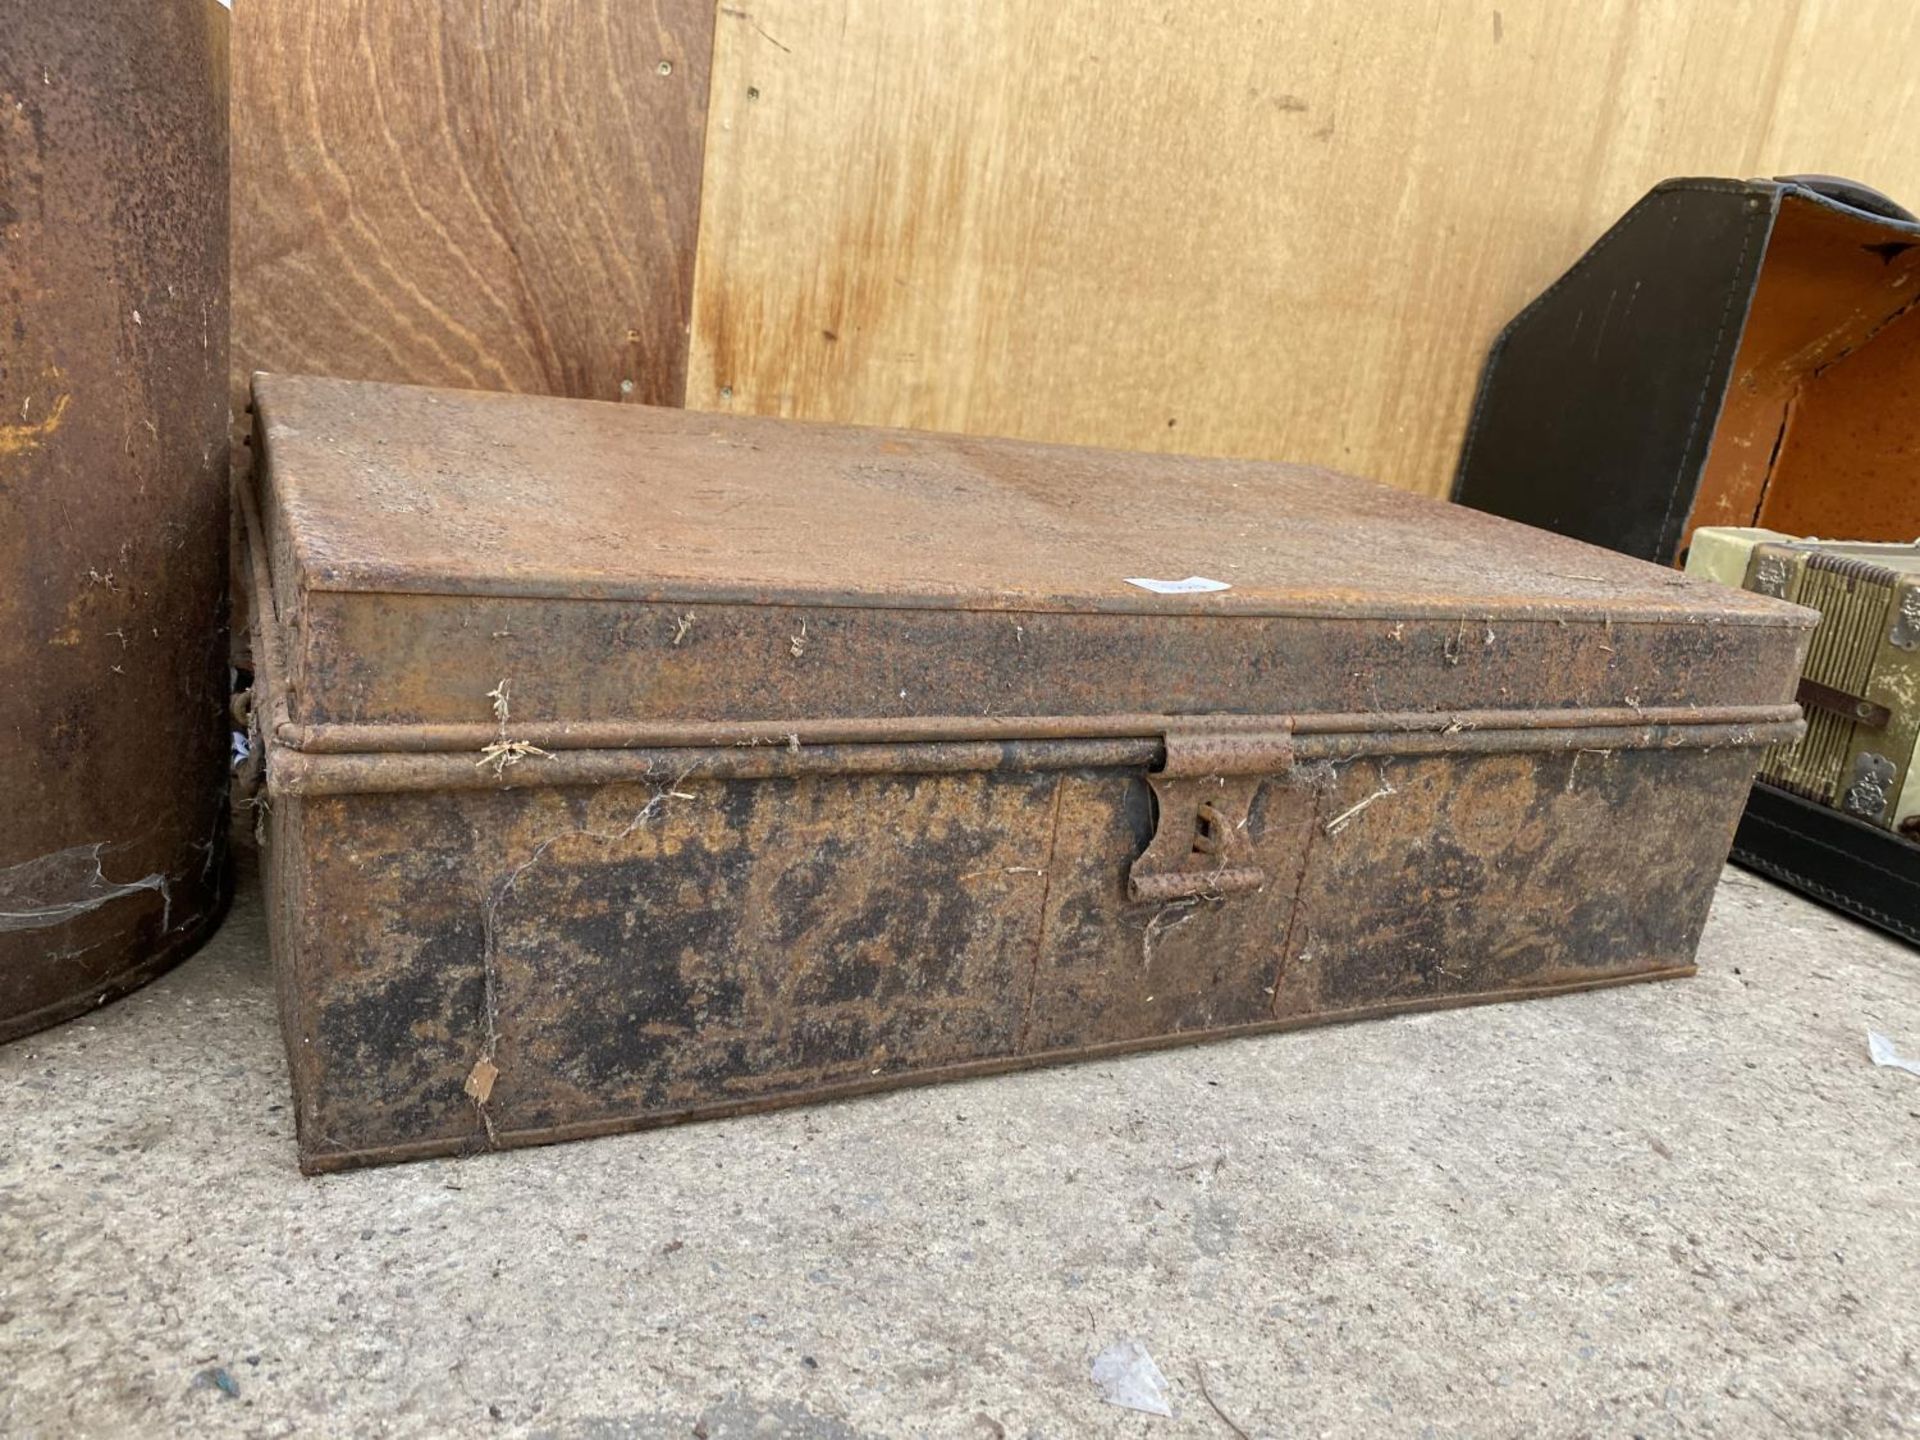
[[1635, 212]]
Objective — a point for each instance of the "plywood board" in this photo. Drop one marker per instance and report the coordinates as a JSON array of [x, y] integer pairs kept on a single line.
[[1272, 231], [1849, 98], [491, 193]]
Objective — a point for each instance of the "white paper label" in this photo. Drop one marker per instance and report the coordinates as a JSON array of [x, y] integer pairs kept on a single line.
[[1192, 585]]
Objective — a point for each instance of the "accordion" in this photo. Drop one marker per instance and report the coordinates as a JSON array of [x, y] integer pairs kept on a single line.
[[1861, 685]]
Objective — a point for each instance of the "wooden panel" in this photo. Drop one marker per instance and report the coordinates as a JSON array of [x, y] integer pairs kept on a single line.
[[491, 193], [1850, 100], [1234, 229]]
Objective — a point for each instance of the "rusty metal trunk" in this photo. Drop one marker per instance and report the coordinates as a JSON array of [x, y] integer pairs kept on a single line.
[[629, 766], [113, 504]]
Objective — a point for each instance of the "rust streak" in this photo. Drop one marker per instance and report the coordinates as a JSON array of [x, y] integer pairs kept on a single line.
[[16, 438], [487, 1065], [1040, 936], [1315, 829]]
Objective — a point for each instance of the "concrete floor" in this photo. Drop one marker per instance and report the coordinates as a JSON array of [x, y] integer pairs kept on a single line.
[[1676, 1209]]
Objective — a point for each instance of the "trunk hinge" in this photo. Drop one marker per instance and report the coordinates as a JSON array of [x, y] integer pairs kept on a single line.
[[1203, 792]]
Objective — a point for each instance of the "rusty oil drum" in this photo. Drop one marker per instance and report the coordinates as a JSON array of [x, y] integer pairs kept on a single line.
[[113, 500]]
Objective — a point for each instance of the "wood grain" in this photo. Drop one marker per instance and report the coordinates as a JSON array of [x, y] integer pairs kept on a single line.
[[1287, 232], [492, 193]]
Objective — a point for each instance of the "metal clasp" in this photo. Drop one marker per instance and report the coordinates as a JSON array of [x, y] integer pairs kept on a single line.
[[1815, 696], [1203, 793]]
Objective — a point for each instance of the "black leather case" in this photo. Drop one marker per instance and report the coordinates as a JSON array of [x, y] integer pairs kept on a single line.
[[1601, 402]]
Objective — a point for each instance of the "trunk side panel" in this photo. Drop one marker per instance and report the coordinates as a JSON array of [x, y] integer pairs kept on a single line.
[[433, 659], [628, 955], [1511, 871]]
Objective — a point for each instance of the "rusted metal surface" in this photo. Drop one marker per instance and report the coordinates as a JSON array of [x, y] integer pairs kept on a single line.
[[857, 661], [113, 529], [655, 504], [295, 772], [1203, 794], [755, 571], [621, 735], [736, 663], [630, 954], [543, 864], [1199, 848]]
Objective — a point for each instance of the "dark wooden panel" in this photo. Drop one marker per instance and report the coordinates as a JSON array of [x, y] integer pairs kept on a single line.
[[493, 193]]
